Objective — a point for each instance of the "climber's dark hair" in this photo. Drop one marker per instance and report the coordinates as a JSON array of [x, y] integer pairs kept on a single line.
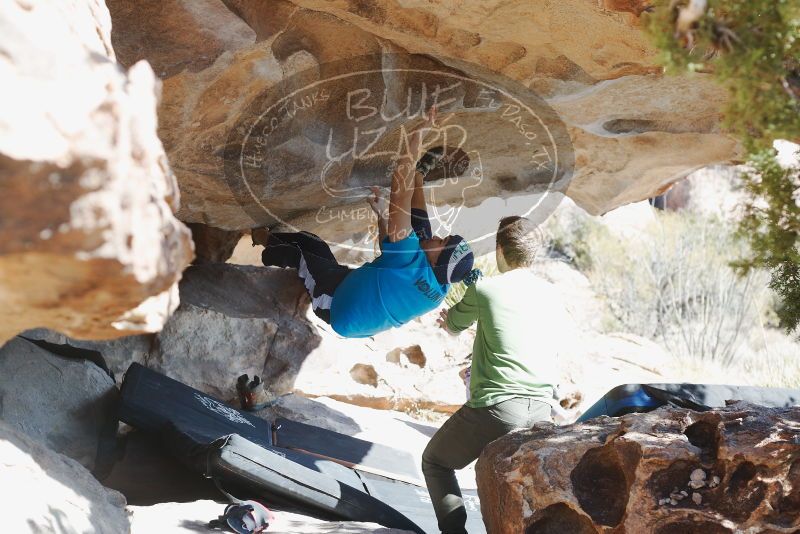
[[520, 241]]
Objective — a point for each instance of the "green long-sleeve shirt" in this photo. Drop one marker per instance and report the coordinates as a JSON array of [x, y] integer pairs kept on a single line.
[[521, 323]]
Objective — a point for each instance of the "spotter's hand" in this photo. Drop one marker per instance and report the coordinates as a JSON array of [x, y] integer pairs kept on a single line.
[[442, 320]]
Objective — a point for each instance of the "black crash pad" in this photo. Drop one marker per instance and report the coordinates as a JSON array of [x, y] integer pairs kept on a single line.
[[236, 449], [284, 476], [629, 398], [150, 401], [349, 451]]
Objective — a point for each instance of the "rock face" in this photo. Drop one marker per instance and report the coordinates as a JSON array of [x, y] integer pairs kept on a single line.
[[118, 354], [88, 241], [632, 131], [630, 139], [667, 472], [235, 320], [67, 405], [46, 492]]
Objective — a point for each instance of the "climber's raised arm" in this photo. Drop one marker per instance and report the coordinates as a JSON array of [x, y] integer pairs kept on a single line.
[[425, 164], [402, 189], [420, 221], [377, 205], [404, 182], [409, 278], [418, 198]]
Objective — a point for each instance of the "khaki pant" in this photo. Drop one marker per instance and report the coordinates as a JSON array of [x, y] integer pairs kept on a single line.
[[460, 441]]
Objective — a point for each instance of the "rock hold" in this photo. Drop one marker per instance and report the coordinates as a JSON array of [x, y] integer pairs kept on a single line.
[[697, 479], [697, 475]]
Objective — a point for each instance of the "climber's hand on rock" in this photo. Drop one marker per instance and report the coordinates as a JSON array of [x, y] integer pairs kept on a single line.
[[376, 201]]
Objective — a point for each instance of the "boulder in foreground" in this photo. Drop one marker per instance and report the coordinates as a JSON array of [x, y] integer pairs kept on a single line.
[[69, 405], [89, 245], [45, 492], [671, 471]]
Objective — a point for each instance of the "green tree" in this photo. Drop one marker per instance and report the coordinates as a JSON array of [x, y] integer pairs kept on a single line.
[[753, 48]]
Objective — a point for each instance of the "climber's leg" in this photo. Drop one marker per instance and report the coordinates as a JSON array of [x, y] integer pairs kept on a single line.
[[279, 253], [306, 241], [315, 264], [283, 249]]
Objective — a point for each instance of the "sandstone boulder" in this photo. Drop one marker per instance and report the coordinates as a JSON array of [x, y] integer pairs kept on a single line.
[[117, 354], [632, 131], [66, 405], [235, 320], [45, 492], [88, 241], [666, 472]]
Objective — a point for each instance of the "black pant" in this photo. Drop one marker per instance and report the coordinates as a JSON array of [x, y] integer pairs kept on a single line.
[[315, 264], [460, 441]]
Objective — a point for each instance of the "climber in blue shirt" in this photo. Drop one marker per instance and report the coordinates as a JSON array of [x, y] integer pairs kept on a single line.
[[408, 279]]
